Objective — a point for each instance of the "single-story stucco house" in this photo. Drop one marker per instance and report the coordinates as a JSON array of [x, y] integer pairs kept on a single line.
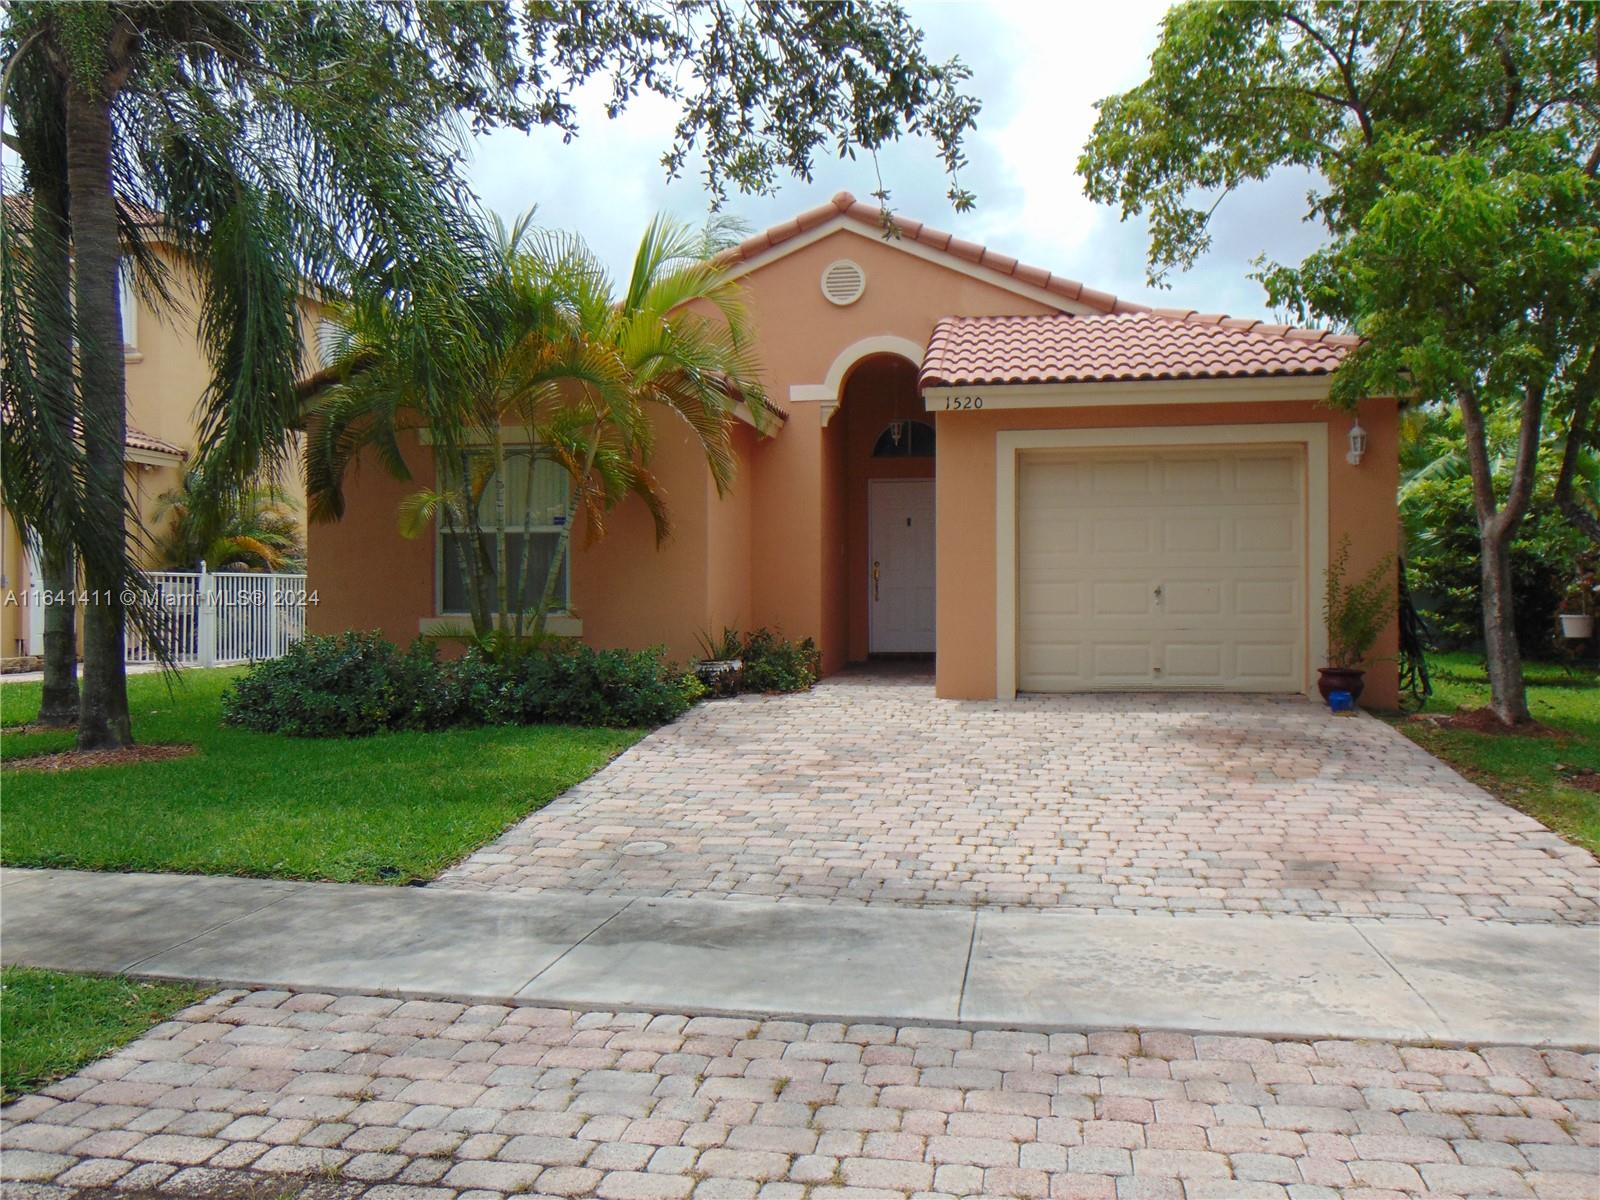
[[1046, 487]]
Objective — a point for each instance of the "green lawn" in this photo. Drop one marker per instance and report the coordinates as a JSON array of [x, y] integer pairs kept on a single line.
[[387, 809], [51, 1024], [1523, 771]]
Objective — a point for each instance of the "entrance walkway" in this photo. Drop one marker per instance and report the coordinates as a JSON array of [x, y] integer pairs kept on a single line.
[[1464, 983], [869, 790]]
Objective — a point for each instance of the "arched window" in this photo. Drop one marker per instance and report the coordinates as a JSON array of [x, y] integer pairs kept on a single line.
[[905, 439]]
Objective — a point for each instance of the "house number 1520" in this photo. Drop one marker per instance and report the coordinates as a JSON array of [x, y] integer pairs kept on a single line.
[[954, 403]]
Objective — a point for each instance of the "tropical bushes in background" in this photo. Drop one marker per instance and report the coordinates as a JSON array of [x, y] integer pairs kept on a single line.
[[356, 684], [253, 528], [1441, 536]]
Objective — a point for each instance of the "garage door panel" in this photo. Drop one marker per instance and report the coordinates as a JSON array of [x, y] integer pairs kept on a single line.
[[1120, 598], [1267, 661], [1268, 598], [1193, 598], [1270, 472], [1268, 533], [1186, 476], [1219, 532], [1125, 476], [1193, 662], [1196, 534], [1124, 535], [1121, 662]]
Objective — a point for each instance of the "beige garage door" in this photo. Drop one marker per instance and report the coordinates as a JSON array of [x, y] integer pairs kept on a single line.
[[1162, 568]]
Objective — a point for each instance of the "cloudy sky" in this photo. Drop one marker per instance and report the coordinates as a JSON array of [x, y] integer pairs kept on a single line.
[[1038, 67]]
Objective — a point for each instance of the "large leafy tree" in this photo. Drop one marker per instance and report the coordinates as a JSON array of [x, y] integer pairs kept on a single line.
[[1456, 148], [283, 144]]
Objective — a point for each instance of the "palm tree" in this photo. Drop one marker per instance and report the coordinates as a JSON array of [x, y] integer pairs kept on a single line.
[[253, 529], [669, 358], [284, 143], [552, 366], [283, 148]]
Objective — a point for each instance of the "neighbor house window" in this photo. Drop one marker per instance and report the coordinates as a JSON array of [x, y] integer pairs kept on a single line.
[[536, 508], [128, 298]]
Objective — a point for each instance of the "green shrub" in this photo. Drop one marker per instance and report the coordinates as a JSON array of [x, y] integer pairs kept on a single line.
[[776, 664], [356, 684], [772, 663], [350, 685]]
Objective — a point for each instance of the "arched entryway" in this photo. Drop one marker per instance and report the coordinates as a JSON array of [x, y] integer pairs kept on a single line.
[[883, 452]]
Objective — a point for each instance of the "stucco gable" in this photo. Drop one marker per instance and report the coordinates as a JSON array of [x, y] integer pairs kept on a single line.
[[844, 213]]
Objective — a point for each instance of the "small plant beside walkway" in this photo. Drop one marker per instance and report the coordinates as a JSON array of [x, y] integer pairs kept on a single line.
[[388, 809]]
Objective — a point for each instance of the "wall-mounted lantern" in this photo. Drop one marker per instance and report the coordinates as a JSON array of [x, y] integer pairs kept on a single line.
[[1358, 444]]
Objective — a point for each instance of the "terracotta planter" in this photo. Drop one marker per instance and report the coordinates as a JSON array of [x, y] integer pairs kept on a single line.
[[1341, 679], [1577, 626]]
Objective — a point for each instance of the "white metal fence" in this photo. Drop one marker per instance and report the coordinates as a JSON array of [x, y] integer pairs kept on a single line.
[[211, 618]]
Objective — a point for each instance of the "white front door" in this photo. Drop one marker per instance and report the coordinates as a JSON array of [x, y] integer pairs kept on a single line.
[[900, 577]]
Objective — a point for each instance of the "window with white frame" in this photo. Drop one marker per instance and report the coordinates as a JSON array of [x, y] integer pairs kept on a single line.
[[128, 298], [536, 508]]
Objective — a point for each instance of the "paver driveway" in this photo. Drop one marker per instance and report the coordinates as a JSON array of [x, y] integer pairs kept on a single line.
[[869, 789], [431, 1101]]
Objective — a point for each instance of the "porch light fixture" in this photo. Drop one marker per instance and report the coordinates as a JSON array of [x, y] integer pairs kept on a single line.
[[1358, 444]]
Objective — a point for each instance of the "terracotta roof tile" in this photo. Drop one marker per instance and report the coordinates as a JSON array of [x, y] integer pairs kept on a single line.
[[138, 439], [1116, 347], [1154, 347]]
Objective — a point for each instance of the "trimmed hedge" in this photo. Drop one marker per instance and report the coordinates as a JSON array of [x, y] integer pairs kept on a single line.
[[355, 684]]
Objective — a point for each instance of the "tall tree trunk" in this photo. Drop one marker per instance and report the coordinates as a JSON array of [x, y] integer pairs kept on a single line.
[[58, 574], [1508, 695], [103, 721], [58, 703], [1497, 526]]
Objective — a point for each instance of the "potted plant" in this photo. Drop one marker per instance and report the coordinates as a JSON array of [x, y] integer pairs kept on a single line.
[[1355, 614], [721, 665], [1577, 608]]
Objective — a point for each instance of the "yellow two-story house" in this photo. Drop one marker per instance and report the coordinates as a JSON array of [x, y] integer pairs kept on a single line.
[[167, 374]]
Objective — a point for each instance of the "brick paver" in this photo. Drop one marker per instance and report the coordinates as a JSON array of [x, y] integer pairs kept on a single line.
[[869, 789], [630, 1106]]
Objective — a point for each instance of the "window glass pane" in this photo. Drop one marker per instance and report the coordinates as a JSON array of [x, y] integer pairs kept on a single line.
[[128, 301], [539, 501], [549, 495], [456, 597]]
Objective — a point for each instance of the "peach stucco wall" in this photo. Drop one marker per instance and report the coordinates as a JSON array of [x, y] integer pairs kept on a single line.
[[1361, 503], [787, 547], [802, 580], [774, 552]]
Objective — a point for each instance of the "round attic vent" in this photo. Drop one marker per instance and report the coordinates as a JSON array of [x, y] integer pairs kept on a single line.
[[843, 282]]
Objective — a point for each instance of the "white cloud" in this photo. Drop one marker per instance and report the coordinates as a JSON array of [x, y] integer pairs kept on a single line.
[[1038, 66]]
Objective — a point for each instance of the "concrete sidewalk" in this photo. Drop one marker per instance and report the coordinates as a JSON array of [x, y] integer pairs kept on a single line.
[[1468, 983]]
